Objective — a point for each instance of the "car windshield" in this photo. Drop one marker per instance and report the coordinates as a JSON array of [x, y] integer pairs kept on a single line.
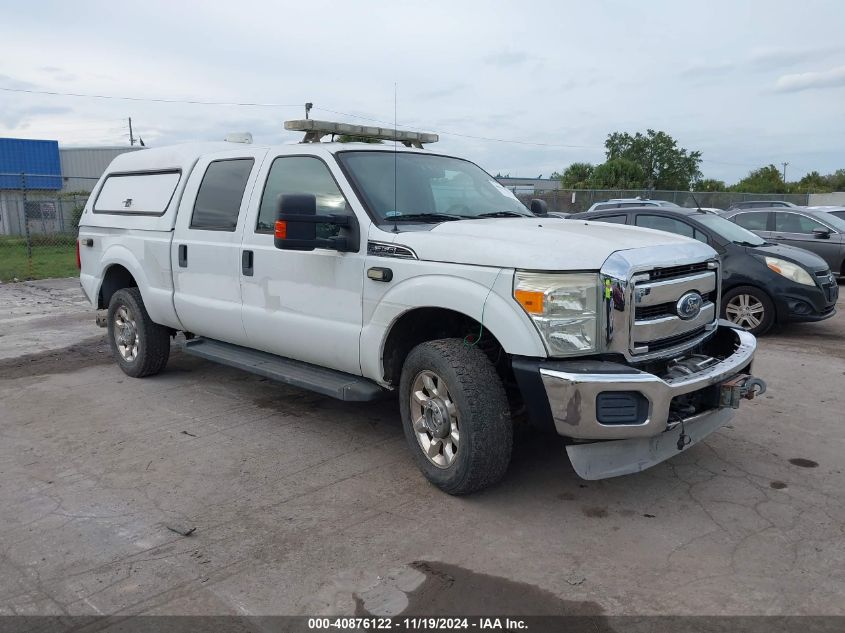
[[837, 223], [411, 187], [728, 230]]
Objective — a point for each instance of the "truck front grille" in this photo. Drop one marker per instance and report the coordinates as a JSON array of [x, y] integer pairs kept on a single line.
[[672, 272], [657, 324]]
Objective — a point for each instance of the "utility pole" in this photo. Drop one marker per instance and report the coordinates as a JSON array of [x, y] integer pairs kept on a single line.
[[131, 136], [784, 171]]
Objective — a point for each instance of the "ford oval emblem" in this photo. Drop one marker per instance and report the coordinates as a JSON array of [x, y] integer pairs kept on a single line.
[[689, 306]]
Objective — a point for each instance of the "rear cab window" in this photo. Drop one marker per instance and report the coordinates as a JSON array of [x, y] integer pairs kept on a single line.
[[221, 191]]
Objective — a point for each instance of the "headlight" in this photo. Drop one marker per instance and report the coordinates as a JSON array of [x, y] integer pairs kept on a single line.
[[563, 307], [790, 271]]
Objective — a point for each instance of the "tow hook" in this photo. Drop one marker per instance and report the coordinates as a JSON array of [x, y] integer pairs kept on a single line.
[[739, 387], [101, 320]]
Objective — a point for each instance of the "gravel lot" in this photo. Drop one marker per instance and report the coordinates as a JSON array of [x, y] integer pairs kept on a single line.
[[305, 505]]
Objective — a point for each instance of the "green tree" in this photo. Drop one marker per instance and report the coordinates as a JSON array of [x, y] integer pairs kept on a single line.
[[709, 184], [767, 179], [836, 180], [618, 173], [664, 164], [814, 182], [576, 176]]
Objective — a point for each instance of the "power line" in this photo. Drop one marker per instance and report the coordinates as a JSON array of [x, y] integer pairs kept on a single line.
[[346, 114], [153, 100]]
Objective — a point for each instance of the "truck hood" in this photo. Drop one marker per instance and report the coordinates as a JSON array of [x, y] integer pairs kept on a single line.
[[532, 243]]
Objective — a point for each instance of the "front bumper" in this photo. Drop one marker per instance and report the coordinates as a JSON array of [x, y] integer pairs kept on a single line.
[[572, 389], [571, 401], [808, 303], [602, 460]]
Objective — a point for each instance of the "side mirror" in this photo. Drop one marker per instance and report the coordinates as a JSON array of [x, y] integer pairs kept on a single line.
[[296, 226], [821, 234], [539, 207]]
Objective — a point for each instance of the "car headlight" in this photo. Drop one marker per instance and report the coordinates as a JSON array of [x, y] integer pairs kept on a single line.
[[790, 271], [564, 307]]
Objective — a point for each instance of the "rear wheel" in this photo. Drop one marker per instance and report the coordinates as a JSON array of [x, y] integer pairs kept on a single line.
[[139, 346], [455, 415], [750, 308]]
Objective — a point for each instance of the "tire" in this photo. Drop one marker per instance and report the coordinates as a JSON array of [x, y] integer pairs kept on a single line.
[[750, 308], [139, 346], [467, 429]]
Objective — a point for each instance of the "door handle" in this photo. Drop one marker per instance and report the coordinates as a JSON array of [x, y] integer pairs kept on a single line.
[[183, 255], [246, 263]]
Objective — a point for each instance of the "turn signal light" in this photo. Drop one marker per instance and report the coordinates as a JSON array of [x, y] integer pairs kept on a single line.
[[531, 300], [281, 231]]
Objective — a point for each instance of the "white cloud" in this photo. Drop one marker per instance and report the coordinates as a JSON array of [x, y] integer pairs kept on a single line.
[[833, 78]]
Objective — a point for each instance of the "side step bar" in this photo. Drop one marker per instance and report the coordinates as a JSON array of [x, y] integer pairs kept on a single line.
[[328, 382]]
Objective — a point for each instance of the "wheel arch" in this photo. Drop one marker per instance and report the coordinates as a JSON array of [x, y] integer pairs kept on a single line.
[[442, 306]]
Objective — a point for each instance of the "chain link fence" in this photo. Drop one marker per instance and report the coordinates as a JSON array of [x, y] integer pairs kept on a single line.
[[38, 230], [577, 200]]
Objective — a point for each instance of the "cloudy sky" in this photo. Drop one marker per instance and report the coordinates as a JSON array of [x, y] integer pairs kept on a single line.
[[747, 83]]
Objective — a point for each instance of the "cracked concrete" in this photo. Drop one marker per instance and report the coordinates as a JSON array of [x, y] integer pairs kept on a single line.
[[305, 505]]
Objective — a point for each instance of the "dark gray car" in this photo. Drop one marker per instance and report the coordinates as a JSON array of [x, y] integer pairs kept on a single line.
[[811, 229]]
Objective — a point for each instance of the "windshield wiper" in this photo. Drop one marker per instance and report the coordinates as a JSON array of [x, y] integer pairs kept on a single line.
[[501, 214], [424, 217], [744, 243]]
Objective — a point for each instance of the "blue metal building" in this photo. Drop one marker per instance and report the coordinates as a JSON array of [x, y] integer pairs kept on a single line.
[[38, 160]]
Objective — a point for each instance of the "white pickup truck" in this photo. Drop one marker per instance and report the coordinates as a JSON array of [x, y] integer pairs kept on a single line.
[[358, 270]]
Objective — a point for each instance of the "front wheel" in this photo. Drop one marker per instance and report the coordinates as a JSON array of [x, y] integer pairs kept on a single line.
[[140, 346], [750, 308], [455, 416]]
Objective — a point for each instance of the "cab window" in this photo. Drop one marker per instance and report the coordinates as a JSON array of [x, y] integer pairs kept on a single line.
[[752, 221], [796, 223], [670, 225], [301, 174], [220, 194]]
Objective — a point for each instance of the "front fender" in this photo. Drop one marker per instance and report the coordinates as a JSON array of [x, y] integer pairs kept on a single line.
[[501, 315]]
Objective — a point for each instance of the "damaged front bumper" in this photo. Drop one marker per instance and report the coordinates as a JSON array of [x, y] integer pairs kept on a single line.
[[625, 419]]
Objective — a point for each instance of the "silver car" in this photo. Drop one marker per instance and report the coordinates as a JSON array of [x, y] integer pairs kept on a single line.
[[815, 230], [623, 203]]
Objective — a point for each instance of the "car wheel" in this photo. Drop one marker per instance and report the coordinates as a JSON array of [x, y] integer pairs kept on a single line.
[[139, 346], [455, 416], [749, 308]]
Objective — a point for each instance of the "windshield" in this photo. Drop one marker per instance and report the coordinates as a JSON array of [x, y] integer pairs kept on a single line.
[[728, 230], [428, 188], [837, 223]]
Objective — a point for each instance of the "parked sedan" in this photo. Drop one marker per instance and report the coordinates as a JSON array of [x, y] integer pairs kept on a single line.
[[814, 230], [762, 204], [762, 283]]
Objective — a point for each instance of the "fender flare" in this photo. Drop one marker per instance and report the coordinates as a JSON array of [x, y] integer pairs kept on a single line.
[[505, 319]]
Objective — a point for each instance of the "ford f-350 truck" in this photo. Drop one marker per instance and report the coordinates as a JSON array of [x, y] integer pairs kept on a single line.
[[358, 270]]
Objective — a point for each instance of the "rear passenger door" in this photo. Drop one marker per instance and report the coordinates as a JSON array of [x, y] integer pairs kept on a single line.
[[205, 253]]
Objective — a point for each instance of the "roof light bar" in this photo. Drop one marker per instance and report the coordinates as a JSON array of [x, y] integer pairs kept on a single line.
[[315, 130]]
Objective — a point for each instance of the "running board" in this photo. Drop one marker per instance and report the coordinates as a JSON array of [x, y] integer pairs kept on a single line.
[[328, 382]]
